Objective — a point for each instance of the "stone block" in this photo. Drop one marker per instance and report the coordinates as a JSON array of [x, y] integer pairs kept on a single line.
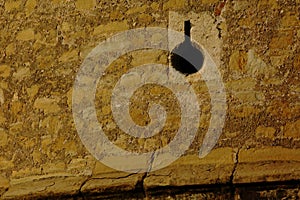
[[174, 4], [216, 167], [21, 73], [267, 164], [289, 20], [4, 184], [292, 129], [10, 49], [263, 131], [12, 5], [245, 84], [111, 27], [282, 40], [47, 105], [5, 71], [238, 61], [39, 186], [111, 185], [3, 138], [85, 4], [30, 6], [26, 35], [69, 56]]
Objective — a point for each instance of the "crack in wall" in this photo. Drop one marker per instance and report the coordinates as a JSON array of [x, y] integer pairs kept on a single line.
[[81, 186], [47, 186], [142, 182], [236, 162], [86, 194]]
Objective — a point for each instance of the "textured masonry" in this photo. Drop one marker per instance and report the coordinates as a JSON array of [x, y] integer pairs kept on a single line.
[[256, 47]]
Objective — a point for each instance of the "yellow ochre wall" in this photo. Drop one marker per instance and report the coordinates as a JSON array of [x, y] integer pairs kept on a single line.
[[255, 45]]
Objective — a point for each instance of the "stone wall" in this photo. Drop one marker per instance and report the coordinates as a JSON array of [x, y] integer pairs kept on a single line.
[[256, 47]]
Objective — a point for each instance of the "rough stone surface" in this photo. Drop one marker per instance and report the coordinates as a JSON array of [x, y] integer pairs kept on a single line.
[[255, 45], [25, 35], [292, 130], [4, 184], [33, 187], [267, 165], [262, 131], [85, 5], [216, 168]]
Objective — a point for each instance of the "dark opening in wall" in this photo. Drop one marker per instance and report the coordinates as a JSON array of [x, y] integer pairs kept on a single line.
[[189, 51]]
